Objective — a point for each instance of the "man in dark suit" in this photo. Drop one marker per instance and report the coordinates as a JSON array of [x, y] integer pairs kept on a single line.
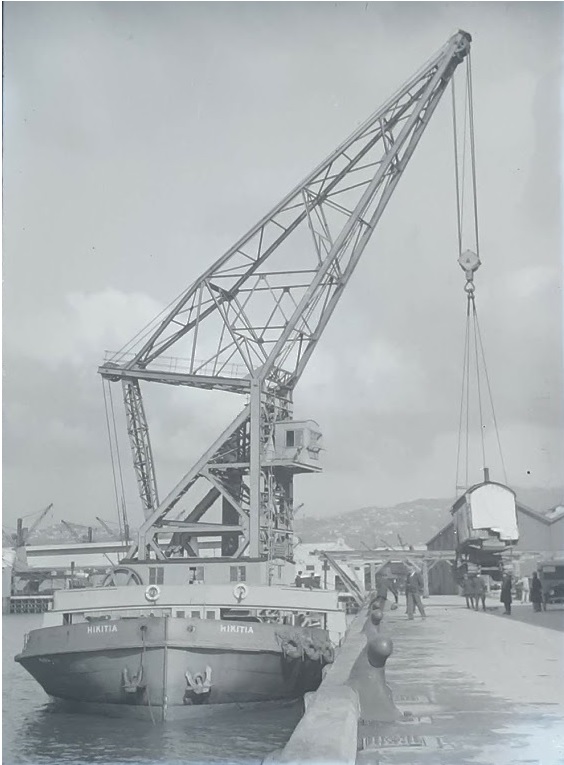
[[414, 591]]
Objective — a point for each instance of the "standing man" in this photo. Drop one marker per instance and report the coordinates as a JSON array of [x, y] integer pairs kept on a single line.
[[413, 592], [383, 586], [480, 589], [526, 589], [536, 592], [505, 595], [467, 591]]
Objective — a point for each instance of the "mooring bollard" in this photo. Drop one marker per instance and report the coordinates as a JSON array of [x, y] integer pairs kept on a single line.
[[376, 616], [376, 702], [378, 650], [372, 623]]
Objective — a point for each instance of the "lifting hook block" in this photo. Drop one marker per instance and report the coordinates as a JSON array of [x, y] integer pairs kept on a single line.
[[469, 262]]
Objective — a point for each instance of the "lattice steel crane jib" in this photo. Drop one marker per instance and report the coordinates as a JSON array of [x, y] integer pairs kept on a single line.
[[250, 323]]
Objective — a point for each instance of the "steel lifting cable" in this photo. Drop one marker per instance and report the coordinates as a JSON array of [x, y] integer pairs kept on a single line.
[[470, 262], [467, 404], [473, 152], [478, 385], [464, 390], [460, 178], [464, 143], [486, 375], [456, 174], [474, 350], [481, 356], [112, 458], [123, 503]]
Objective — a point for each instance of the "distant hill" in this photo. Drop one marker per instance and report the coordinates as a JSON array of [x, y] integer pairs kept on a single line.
[[415, 522], [58, 533]]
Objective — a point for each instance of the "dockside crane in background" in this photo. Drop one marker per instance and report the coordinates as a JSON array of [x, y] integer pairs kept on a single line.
[[106, 528], [75, 531], [23, 534], [249, 325]]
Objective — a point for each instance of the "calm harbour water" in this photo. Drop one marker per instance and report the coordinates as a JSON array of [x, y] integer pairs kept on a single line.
[[36, 731]]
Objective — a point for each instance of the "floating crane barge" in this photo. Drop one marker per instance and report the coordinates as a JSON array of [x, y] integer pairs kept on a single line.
[[174, 627]]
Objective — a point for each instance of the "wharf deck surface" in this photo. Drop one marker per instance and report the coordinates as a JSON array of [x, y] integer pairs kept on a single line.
[[481, 688]]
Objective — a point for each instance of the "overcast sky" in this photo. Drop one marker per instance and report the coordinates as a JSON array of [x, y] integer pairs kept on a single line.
[[142, 139]]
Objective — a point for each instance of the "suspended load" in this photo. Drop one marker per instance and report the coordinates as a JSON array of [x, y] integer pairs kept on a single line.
[[485, 517], [485, 514]]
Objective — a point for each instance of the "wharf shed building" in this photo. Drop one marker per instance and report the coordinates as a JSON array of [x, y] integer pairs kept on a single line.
[[540, 535]]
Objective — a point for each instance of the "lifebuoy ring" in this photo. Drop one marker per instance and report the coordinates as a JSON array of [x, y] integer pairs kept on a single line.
[[152, 593], [240, 591]]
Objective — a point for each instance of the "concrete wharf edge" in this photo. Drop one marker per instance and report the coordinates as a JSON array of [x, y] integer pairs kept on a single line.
[[472, 687], [328, 730]]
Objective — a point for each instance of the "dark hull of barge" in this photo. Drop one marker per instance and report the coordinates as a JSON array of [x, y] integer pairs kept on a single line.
[[164, 668]]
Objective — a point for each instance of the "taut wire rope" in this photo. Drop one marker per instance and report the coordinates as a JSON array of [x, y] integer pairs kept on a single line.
[[474, 354]]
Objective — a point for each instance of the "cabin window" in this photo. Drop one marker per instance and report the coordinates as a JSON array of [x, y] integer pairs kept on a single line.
[[180, 614], [310, 568], [67, 618], [195, 574], [279, 572], [210, 614], [195, 614], [237, 573], [294, 438], [156, 574]]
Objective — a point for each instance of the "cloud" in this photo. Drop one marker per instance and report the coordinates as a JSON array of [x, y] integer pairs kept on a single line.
[[122, 184], [384, 379], [534, 282], [82, 328]]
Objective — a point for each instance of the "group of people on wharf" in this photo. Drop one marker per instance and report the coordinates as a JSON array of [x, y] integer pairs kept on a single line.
[[414, 587], [474, 589]]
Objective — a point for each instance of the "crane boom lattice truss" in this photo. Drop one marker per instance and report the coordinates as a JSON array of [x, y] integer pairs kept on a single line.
[[250, 323]]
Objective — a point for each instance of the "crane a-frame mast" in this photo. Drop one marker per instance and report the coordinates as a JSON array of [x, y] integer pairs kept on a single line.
[[250, 323]]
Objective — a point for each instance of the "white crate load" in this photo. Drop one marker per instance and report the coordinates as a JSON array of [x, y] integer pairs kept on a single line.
[[486, 515]]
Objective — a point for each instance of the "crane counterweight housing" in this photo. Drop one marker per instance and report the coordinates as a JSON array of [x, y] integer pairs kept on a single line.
[[249, 325]]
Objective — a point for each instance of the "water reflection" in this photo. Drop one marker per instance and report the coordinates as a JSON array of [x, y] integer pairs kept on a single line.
[[51, 735]]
